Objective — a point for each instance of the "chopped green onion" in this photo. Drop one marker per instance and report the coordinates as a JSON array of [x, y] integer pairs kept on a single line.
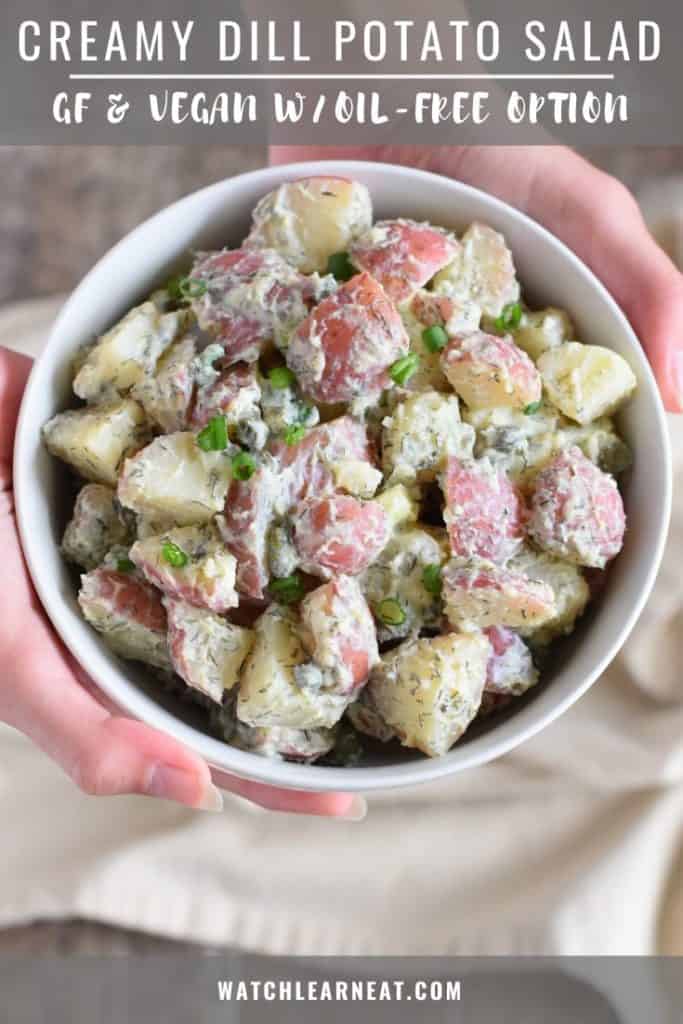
[[214, 436], [174, 555], [294, 434], [510, 318], [192, 288], [340, 265], [287, 590], [532, 408], [403, 369], [173, 288], [435, 338], [390, 612], [431, 579], [243, 466], [125, 565], [281, 377]]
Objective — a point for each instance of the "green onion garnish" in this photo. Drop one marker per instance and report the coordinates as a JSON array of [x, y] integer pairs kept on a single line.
[[214, 436], [281, 377], [532, 408], [243, 466], [192, 288], [431, 579], [340, 265], [125, 565], [294, 434], [174, 555], [173, 288], [510, 318], [287, 590], [390, 612], [435, 338], [403, 369]]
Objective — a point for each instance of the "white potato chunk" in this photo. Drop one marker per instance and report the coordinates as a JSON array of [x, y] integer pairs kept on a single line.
[[586, 381], [127, 353], [482, 594], [307, 221], [167, 394], [201, 571], [400, 504], [96, 440], [173, 478], [428, 691], [357, 477], [94, 527], [482, 272], [397, 575], [570, 590], [272, 691], [207, 651], [128, 613], [542, 330], [422, 432]]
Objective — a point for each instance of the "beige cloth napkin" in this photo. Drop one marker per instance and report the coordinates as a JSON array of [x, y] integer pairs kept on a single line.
[[571, 845]]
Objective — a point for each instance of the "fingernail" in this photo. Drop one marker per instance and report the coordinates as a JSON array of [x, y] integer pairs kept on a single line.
[[169, 783], [357, 811]]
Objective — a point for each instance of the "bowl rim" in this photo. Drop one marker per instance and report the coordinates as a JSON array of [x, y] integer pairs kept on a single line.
[[222, 757]]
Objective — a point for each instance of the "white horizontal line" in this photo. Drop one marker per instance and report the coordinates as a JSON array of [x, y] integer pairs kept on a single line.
[[326, 77]]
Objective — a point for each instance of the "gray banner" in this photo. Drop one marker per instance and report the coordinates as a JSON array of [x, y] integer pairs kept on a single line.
[[257, 990], [302, 71]]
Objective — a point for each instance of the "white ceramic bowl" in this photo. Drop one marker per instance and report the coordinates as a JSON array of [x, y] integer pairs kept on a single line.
[[218, 216]]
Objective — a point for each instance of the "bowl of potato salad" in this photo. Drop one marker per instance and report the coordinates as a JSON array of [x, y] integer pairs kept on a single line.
[[347, 475]]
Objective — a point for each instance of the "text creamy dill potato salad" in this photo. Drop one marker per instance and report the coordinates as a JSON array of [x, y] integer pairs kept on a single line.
[[340, 482]]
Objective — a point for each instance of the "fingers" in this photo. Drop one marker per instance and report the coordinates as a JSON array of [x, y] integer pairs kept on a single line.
[[590, 211], [105, 755], [14, 371], [329, 805]]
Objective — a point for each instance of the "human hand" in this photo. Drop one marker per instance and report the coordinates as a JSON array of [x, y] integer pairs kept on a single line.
[[592, 212], [45, 694]]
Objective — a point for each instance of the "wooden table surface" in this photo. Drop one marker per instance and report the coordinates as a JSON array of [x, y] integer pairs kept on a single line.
[[62, 209]]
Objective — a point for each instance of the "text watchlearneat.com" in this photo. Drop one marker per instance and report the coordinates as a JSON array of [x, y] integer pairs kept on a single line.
[[340, 498]]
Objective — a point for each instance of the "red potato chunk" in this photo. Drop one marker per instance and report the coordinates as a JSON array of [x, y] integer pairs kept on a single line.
[[402, 255], [488, 371], [252, 297], [249, 511], [233, 393], [308, 465], [577, 512], [293, 474], [129, 614], [486, 595], [207, 580], [338, 631], [344, 348], [511, 670], [484, 513], [339, 534]]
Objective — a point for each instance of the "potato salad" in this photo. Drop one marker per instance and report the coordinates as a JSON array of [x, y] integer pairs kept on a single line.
[[341, 485]]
